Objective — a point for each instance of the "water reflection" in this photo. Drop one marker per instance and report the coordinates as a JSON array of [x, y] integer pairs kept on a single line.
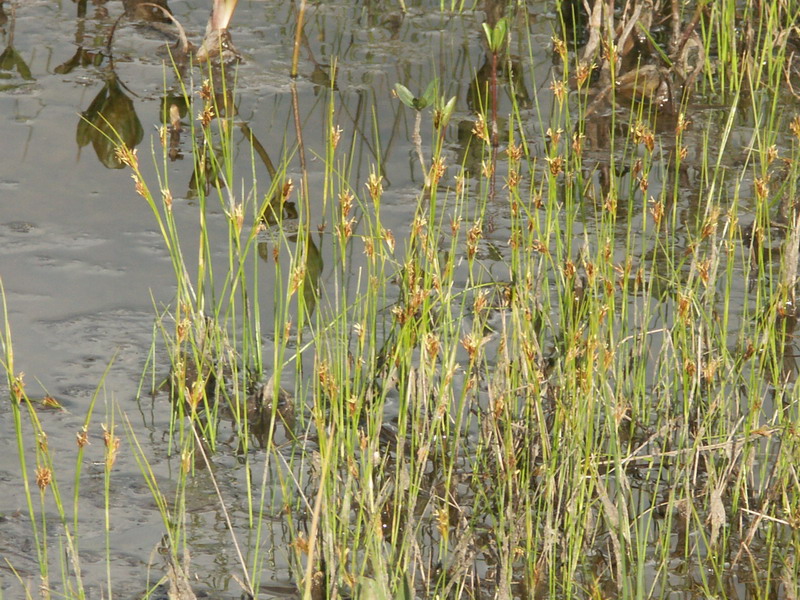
[[11, 61], [110, 119], [82, 56], [151, 10]]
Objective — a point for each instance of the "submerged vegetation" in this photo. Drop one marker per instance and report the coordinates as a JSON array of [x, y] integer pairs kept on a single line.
[[568, 373]]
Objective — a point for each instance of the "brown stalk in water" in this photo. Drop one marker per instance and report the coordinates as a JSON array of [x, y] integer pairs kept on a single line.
[[221, 14], [298, 36], [181, 31], [217, 39]]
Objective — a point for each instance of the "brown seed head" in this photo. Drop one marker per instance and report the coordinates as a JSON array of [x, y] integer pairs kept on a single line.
[[569, 269], [43, 477], [577, 143], [657, 210], [18, 387], [514, 152], [583, 73], [205, 91], [82, 438], [682, 125], [112, 443], [540, 247], [388, 237], [556, 165], [762, 187], [345, 202], [375, 186], [772, 154], [286, 190], [794, 126], [369, 247], [206, 116], [480, 302], [336, 134], [559, 89], [559, 47], [437, 170], [479, 129], [432, 344]]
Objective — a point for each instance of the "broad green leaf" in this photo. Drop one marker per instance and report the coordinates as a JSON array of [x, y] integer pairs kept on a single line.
[[500, 31], [405, 95], [489, 34], [447, 111], [428, 96]]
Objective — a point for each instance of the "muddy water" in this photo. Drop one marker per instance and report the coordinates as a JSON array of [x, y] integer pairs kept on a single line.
[[84, 267]]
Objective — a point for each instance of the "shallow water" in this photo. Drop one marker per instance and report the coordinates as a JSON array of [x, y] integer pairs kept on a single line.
[[84, 266]]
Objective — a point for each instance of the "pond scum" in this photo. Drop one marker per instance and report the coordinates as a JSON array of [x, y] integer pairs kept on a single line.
[[613, 415]]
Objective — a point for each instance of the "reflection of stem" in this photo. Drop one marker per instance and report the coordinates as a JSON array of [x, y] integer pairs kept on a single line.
[[676, 27], [494, 99], [307, 46], [260, 150], [12, 22], [300, 147], [315, 517], [80, 31], [355, 119], [305, 218], [248, 586], [418, 145], [495, 141], [296, 110], [110, 39]]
